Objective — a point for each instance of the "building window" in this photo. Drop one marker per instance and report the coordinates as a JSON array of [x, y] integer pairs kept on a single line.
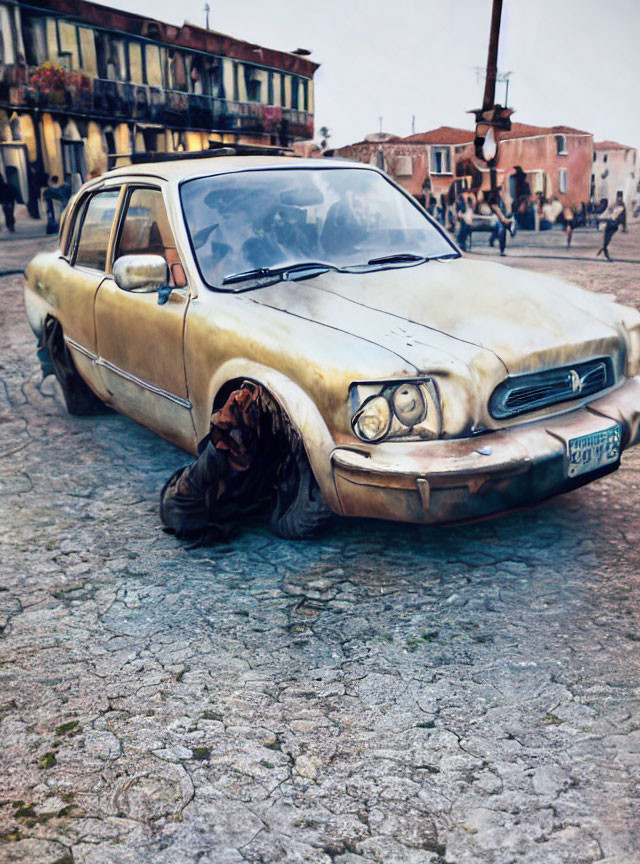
[[404, 166], [562, 180], [35, 40], [605, 158], [561, 145], [111, 57], [68, 54], [441, 160], [215, 76], [595, 155], [178, 71], [236, 84], [252, 83]]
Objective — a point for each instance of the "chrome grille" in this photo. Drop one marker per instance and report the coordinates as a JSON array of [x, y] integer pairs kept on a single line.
[[520, 394]]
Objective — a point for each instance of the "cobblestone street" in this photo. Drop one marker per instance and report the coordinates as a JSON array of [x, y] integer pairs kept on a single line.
[[385, 693]]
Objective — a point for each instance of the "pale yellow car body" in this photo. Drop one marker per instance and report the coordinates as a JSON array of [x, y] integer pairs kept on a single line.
[[466, 324]]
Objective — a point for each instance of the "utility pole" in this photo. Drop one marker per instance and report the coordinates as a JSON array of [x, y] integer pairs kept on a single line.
[[492, 58], [207, 9], [491, 117]]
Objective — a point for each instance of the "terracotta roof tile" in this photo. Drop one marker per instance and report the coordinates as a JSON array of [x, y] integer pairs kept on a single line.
[[453, 135], [441, 135]]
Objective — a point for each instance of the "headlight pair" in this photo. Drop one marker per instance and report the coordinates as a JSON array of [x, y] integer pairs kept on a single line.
[[408, 409]]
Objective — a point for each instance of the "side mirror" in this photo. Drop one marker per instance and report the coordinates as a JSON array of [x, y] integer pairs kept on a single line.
[[143, 274]]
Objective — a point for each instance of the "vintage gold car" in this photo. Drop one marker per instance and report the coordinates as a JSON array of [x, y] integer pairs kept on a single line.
[[425, 386]]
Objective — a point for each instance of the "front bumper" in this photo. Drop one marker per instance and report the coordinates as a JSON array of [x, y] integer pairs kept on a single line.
[[452, 480]]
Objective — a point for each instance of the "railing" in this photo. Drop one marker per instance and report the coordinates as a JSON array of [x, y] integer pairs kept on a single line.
[[118, 100]]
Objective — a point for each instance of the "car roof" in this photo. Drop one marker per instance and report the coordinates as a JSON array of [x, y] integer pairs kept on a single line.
[[184, 168]]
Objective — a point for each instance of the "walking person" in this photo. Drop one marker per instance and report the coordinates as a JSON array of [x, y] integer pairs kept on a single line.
[[8, 198], [65, 191], [465, 221], [623, 218], [502, 223], [616, 218], [569, 219]]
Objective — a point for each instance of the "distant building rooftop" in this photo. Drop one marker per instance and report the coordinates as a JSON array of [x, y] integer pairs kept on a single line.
[[441, 135], [523, 130], [610, 145], [451, 135], [187, 36]]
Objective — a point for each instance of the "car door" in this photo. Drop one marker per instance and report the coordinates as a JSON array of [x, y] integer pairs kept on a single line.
[[140, 343], [80, 272]]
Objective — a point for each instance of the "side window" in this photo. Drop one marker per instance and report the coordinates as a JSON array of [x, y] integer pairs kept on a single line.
[[145, 230], [74, 229], [95, 229]]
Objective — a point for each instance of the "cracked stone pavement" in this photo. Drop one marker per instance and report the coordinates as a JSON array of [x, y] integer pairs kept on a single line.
[[385, 693]]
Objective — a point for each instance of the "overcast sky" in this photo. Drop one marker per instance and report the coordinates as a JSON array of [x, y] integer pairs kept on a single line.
[[574, 62]]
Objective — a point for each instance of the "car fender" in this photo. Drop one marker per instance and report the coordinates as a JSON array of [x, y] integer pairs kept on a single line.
[[298, 406], [36, 305]]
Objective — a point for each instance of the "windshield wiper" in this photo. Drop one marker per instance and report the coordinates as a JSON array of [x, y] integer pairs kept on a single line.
[[283, 272], [399, 258]]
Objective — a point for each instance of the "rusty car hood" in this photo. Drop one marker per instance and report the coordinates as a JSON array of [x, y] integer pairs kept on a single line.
[[460, 307]]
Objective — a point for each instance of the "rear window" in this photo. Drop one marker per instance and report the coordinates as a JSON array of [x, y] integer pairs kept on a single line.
[[95, 230]]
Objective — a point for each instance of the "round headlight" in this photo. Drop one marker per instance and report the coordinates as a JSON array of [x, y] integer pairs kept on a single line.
[[373, 420], [409, 405]]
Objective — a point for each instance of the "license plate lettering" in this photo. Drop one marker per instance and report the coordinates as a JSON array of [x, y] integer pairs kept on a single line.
[[590, 452]]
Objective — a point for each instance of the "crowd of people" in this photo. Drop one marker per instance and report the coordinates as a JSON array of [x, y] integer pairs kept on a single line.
[[469, 212], [477, 210]]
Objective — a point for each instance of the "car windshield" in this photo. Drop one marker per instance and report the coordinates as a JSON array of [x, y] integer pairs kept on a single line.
[[265, 219]]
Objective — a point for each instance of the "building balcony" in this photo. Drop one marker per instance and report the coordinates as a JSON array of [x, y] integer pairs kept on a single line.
[[119, 101]]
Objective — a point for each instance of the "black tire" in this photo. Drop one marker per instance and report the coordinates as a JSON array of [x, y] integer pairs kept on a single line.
[[299, 510], [79, 399]]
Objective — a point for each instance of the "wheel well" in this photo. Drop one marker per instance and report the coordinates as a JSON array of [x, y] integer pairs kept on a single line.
[[297, 407], [225, 391], [235, 384]]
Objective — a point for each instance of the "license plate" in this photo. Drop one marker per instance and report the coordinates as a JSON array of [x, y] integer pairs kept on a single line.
[[590, 452]]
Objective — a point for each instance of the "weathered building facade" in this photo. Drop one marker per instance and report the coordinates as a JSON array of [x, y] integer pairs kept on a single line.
[[84, 88], [615, 169], [557, 161], [422, 164]]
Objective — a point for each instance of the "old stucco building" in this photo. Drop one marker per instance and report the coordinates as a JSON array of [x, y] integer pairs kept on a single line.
[[84, 87], [615, 169], [556, 159], [422, 163]]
